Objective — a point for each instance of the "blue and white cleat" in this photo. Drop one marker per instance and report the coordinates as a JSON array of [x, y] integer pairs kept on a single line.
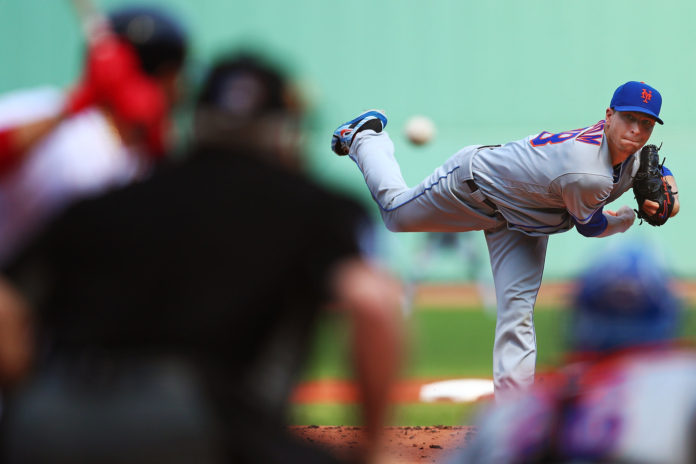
[[343, 136]]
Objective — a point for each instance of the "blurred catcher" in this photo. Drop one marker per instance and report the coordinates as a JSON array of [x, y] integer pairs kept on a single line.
[[628, 393]]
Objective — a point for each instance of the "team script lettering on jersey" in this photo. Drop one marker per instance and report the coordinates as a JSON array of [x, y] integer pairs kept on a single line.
[[590, 135]]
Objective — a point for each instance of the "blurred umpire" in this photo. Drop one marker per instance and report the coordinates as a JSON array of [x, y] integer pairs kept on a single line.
[[628, 393], [173, 316]]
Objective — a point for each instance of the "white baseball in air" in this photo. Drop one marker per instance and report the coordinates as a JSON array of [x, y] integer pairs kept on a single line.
[[420, 129]]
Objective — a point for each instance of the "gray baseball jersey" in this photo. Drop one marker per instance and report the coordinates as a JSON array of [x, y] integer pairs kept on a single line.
[[539, 182]]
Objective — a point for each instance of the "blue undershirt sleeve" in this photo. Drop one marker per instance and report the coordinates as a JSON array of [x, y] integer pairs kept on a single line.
[[595, 226], [666, 171]]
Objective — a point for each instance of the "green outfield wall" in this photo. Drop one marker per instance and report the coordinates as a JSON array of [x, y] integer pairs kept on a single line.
[[485, 72]]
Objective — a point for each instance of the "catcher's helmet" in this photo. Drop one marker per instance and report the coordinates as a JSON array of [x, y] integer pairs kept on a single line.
[[158, 38], [624, 299]]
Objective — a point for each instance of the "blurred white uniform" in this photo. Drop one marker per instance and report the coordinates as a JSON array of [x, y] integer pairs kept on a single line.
[[633, 407], [83, 156]]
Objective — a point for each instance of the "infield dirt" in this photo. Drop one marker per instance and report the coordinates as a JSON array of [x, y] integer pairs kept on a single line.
[[402, 444]]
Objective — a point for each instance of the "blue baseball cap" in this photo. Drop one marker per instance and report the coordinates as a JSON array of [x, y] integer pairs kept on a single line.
[[637, 96]]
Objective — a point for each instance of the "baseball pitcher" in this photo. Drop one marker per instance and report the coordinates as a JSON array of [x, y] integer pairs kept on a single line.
[[519, 193]]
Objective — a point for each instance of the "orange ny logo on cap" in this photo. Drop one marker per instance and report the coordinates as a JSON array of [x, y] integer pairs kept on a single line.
[[646, 95]]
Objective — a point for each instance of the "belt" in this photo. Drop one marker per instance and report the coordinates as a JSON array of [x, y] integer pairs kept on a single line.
[[473, 187]]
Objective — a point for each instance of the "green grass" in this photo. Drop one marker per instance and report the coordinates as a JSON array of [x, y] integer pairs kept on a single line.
[[408, 414], [450, 343], [442, 343]]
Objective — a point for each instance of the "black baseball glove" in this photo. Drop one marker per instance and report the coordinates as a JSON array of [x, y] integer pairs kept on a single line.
[[650, 184]]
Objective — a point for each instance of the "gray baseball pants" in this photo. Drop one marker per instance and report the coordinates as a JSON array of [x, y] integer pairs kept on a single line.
[[444, 202]]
